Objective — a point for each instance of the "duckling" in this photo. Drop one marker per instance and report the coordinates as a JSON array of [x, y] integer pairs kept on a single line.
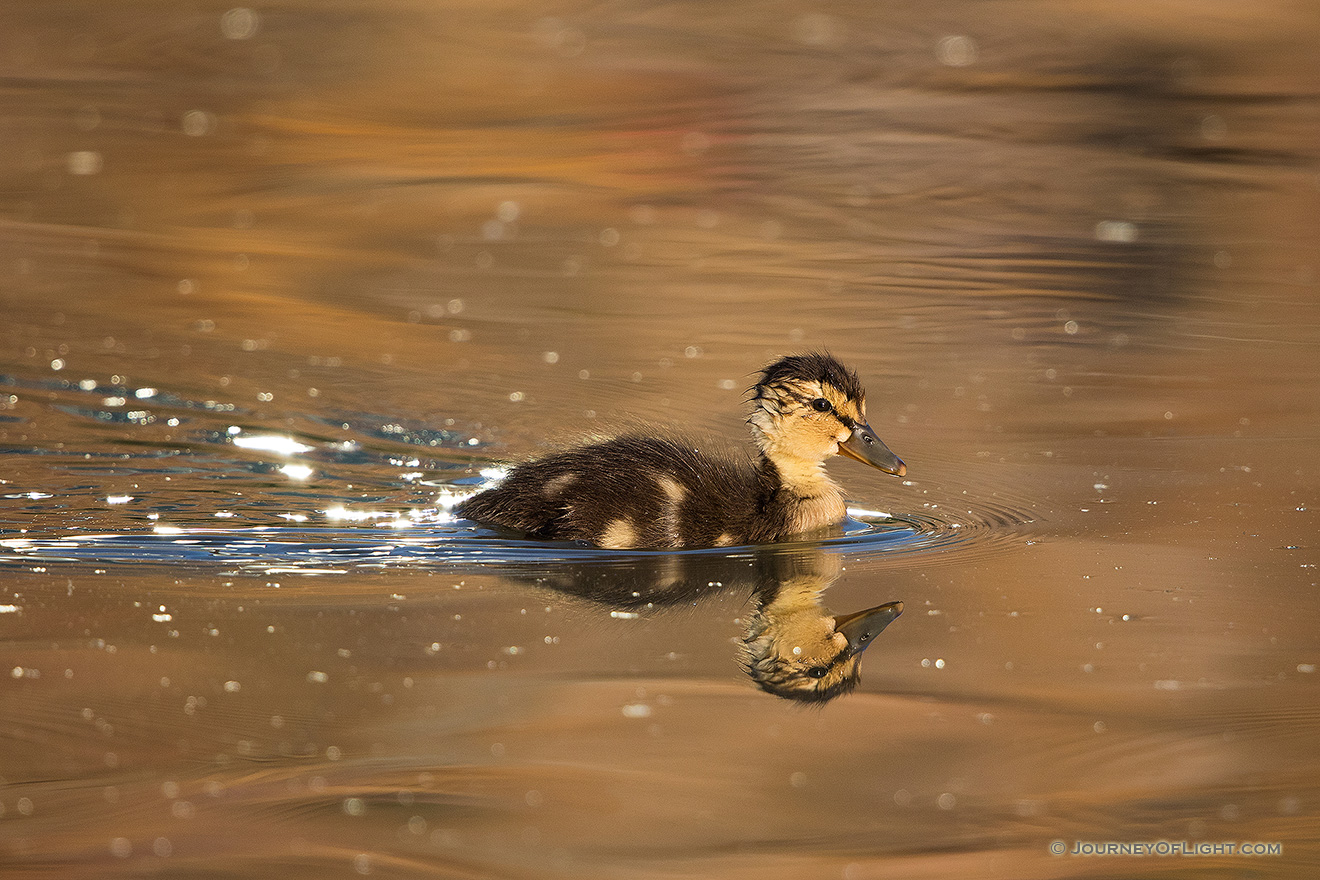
[[651, 492]]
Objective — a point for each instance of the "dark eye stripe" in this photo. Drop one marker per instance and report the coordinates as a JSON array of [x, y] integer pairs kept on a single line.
[[808, 401], [835, 661]]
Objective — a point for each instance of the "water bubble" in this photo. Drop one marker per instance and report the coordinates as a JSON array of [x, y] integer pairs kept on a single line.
[[354, 806], [162, 847], [121, 848], [197, 123], [1213, 128], [956, 51], [567, 41], [1116, 230], [946, 801], [239, 23], [83, 162], [550, 357]]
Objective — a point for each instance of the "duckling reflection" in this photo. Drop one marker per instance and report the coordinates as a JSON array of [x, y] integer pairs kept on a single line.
[[793, 647]]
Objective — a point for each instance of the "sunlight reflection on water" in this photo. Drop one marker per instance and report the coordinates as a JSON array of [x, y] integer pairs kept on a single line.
[[280, 284]]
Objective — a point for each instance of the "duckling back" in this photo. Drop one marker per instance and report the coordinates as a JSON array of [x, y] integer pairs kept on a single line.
[[637, 492]]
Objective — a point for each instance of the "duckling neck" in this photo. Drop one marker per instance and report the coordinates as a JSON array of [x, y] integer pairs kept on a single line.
[[808, 498]]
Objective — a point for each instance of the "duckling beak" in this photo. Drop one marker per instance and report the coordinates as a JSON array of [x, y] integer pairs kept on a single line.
[[862, 628], [867, 448]]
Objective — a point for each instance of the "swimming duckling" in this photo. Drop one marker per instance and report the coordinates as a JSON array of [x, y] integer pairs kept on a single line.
[[637, 491]]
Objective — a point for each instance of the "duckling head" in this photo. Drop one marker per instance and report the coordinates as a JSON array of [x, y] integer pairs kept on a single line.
[[796, 650], [809, 407]]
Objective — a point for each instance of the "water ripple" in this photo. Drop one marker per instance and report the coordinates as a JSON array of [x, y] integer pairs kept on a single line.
[[435, 540]]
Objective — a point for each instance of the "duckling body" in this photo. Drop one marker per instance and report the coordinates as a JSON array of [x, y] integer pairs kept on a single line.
[[639, 491]]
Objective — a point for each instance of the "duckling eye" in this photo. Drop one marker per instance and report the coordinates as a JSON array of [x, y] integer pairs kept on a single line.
[[817, 672], [820, 404]]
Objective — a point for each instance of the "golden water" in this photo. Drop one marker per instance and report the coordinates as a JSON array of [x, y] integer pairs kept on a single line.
[[1071, 248]]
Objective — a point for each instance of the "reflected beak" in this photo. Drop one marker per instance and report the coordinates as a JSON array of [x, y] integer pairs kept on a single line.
[[862, 628], [867, 448]]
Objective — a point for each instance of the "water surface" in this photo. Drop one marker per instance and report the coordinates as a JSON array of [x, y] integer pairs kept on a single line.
[[281, 282]]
